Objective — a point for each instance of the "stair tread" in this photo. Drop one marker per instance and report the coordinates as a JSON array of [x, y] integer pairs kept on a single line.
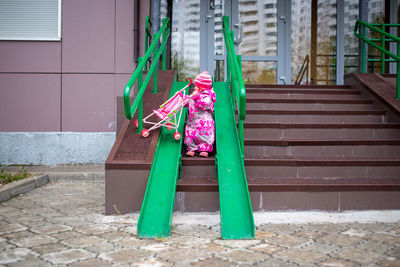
[[326, 161], [250, 99], [314, 112], [311, 142], [319, 125], [297, 184], [319, 91]]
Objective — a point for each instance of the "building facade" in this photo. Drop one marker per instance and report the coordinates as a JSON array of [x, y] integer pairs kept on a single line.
[[58, 96]]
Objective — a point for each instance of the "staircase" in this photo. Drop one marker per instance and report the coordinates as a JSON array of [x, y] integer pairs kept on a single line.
[[308, 147]]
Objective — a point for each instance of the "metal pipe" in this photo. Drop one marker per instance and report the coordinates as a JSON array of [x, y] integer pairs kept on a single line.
[[135, 30]]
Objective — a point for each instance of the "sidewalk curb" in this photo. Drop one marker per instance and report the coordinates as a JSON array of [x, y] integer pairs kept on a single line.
[[22, 186]]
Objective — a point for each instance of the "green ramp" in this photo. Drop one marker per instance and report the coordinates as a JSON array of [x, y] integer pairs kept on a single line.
[[158, 203], [237, 220]]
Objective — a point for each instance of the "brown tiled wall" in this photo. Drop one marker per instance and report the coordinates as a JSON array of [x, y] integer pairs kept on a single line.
[[71, 85]]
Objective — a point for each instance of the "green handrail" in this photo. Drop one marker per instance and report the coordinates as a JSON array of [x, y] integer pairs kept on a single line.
[[234, 78], [138, 74], [386, 37]]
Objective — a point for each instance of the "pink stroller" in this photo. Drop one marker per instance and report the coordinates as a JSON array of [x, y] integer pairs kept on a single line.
[[169, 113]]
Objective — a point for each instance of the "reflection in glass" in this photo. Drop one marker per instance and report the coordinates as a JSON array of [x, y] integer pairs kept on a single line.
[[259, 72], [259, 22], [376, 14], [326, 43], [301, 36], [351, 10], [185, 38]]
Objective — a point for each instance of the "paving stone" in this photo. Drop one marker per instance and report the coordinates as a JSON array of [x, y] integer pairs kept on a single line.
[[152, 262], [15, 255], [237, 243], [383, 237], [288, 240], [18, 235], [280, 228], [267, 248], [130, 230], [91, 263], [83, 241], [375, 246], [195, 230], [389, 262], [156, 247], [308, 234], [394, 252], [68, 256], [300, 256], [339, 240], [185, 255], [125, 256], [29, 262], [333, 262], [214, 248], [33, 241], [243, 256], [49, 248], [358, 255], [321, 248], [212, 262], [101, 247], [12, 228], [187, 241], [130, 241], [95, 229], [66, 235], [263, 235], [50, 229]]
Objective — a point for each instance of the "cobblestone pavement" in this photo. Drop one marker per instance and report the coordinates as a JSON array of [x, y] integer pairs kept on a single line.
[[64, 224]]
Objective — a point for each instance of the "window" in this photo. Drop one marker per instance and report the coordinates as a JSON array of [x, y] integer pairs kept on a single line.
[[30, 20]]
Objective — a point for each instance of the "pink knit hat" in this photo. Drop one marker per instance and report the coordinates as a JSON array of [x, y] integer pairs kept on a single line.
[[203, 81]]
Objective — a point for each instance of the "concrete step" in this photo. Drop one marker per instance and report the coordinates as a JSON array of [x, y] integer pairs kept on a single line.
[[322, 168], [315, 116], [275, 184], [330, 148], [300, 95], [276, 104], [195, 167], [323, 131]]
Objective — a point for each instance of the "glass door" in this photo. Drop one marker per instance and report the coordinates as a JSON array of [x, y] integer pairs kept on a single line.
[[262, 37], [263, 28]]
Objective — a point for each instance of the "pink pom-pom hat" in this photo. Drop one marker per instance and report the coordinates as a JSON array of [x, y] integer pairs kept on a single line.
[[203, 81]]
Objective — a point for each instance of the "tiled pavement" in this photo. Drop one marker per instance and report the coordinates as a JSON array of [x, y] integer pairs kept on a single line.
[[63, 223]]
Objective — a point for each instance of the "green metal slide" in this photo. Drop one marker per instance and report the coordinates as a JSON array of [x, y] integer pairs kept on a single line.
[[237, 220], [158, 203]]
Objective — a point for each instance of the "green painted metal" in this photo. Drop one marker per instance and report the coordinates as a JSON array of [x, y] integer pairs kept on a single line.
[[386, 37], [235, 79], [158, 203], [131, 109], [237, 220]]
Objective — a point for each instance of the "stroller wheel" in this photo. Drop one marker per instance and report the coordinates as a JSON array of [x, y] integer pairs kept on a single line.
[[177, 136], [145, 133], [169, 126], [136, 123]]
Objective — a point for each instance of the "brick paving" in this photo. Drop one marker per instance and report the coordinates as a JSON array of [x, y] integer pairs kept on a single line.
[[63, 224]]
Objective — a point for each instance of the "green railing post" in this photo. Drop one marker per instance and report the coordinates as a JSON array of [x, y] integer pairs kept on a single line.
[[383, 54], [138, 73], [385, 37]]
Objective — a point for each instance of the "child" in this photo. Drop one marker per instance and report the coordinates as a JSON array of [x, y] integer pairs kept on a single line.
[[200, 129]]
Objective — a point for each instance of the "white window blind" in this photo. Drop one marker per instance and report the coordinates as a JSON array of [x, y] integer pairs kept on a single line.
[[30, 20]]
